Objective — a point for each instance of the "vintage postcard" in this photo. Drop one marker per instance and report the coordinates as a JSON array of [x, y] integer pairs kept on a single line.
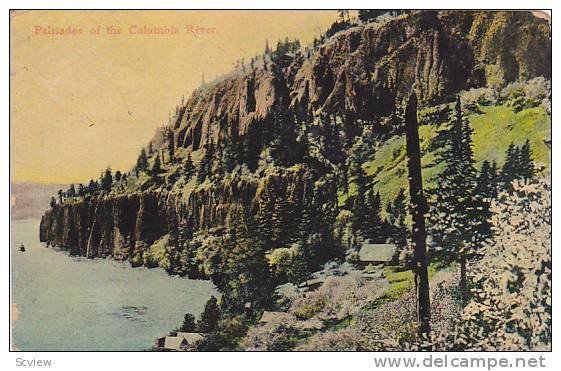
[[281, 180]]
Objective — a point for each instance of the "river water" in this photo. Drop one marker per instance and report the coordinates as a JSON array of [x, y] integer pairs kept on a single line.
[[77, 304]]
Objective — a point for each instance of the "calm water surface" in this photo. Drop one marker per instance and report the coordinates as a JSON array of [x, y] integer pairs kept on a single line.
[[69, 303]]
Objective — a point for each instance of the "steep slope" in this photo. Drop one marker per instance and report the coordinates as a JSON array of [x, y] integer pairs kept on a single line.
[[356, 78]]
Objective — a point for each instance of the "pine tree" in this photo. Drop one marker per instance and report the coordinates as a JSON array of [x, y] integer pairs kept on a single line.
[[230, 155], [485, 184], [525, 162], [205, 166], [509, 171], [343, 15], [282, 219], [173, 230], [264, 219], [359, 220], [71, 191], [92, 187], [374, 228], [171, 145], [209, 317], [189, 167], [118, 175], [81, 190], [368, 15], [141, 162], [306, 226], [53, 202], [494, 177], [106, 180], [518, 163], [397, 213], [459, 223], [188, 323], [156, 169]]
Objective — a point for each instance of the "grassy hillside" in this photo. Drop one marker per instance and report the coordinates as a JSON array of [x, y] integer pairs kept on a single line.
[[494, 129]]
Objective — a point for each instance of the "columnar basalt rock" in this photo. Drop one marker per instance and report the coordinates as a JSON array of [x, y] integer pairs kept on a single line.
[[364, 72]]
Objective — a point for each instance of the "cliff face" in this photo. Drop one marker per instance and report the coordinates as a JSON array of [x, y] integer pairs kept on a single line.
[[367, 70], [363, 72], [124, 227]]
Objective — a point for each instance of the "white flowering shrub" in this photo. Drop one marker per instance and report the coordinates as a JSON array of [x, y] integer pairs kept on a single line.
[[518, 94], [479, 96], [511, 305], [338, 298], [532, 93]]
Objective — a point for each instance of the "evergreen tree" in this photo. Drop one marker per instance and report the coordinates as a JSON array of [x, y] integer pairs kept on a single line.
[[81, 190], [525, 162], [244, 276], [230, 155], [53, 202], [173, 230], [118, 175], [264, 219], [368, 15], [171, 145], [459, 226], [518, 163], [359, 220], [189, 167], [397, 214], [92, 187], [509, 171], [188, 323], [141, 162], [71, 191], [282, 218], [60, 196], [344, 15], [106, 180], [374, 226], [284, 138], [209, 317], [486, 186], [205, 166], [306, 226], [156, 169], [494, 176]]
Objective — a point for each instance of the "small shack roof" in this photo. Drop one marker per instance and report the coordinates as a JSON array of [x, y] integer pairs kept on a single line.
[[377, 252], [191, 337], [174, 342]]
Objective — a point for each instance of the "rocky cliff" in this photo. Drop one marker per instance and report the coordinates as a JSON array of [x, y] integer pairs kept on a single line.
[[362, 73], [367, 70]]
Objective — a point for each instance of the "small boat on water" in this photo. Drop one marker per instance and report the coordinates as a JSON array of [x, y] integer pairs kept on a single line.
[[21, 248]]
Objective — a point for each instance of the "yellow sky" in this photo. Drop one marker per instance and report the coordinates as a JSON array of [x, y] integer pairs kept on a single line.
[[123, 84]]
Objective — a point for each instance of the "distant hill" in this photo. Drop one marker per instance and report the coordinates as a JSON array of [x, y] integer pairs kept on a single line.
[[29, 200]]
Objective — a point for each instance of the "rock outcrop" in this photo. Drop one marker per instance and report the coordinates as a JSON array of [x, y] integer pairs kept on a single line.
[[363, 72], [368, 70]]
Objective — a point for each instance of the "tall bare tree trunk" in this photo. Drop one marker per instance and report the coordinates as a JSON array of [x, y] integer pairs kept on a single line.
[[463, 279], [418, 210]]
